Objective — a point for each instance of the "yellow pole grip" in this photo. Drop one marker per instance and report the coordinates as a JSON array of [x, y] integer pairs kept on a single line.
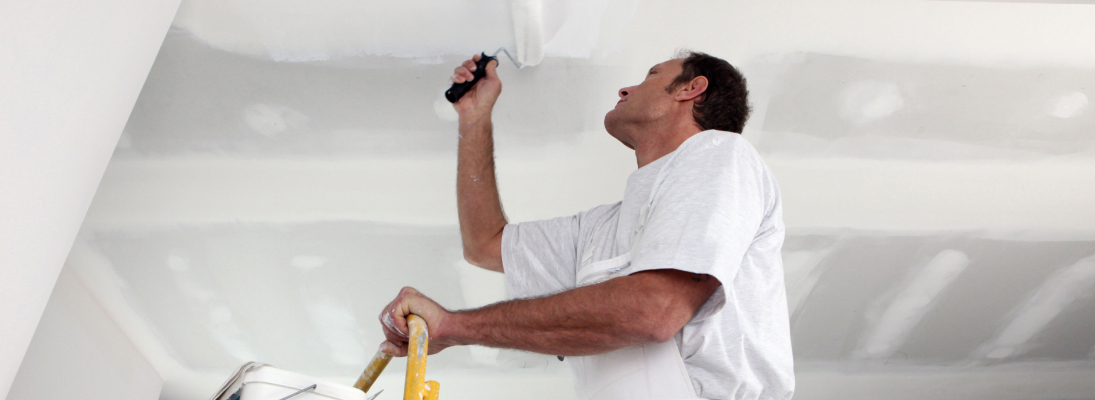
[[418, 346], [372, 371], [433, 390]]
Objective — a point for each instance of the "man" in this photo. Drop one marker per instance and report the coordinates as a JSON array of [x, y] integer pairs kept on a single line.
[[676, 292]]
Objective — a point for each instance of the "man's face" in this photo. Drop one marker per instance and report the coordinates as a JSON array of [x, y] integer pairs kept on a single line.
[[648, 101]]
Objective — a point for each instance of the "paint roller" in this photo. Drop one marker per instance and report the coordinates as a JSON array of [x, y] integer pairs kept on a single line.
[[528, 33]]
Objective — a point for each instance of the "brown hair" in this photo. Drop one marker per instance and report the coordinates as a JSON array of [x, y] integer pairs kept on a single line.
[[725, 103]]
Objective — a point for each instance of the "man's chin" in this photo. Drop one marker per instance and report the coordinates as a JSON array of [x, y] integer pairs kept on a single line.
[[612, 131], [611, 121]]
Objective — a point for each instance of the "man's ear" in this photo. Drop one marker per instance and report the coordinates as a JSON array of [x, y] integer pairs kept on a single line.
[[692, 90]]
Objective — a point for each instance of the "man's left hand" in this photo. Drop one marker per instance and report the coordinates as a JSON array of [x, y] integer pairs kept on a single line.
[[393, 319]]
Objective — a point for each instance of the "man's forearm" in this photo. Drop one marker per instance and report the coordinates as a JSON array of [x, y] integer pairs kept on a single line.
[[478, 204], [590, 320]]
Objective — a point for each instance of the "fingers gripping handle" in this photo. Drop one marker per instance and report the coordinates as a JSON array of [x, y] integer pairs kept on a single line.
[[458, 89]]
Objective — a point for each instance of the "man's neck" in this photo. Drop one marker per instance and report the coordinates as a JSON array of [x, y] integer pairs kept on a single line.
[[658, 144]]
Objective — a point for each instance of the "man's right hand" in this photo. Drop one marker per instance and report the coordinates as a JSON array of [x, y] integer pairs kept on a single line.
[[479, 100]]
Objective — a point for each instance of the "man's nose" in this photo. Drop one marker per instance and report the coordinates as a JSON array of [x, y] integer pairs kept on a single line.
[[624, 92]]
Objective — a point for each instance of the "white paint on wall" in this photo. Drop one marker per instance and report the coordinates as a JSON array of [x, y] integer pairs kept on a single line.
[[443, 108], [337, 327], [1070, 105], [583, 22], [951, 112], [217, 316], [308, 263], [271, 120], [528, 31], [431, 60], [911, 303], [891, 195], [291, 30], [1055, 294], [331, 314], [942, 32], [893, 30], [868, 101], [301, 31], [913, 196], [70, 73]]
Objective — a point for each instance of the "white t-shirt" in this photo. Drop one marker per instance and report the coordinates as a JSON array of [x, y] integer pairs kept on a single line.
[[716, 210]]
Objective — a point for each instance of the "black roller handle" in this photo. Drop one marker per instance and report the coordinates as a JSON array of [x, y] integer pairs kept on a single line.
[[458, 89]]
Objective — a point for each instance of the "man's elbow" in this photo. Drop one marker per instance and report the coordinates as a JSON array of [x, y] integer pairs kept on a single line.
[[671, 298], [663, 322], [484, 252], [656, 333], [473, 256], [663, 332], [483, 259]]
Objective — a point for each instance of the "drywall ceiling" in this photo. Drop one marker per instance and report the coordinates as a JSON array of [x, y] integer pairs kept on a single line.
[[289, 166]]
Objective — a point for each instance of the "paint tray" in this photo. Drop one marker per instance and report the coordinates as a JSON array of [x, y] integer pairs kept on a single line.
[[262, 382]]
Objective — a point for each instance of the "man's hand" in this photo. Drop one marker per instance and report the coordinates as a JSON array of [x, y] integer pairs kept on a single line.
[[394, 321], [479, 100]]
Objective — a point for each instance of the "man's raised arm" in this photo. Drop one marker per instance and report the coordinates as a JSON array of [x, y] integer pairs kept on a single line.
[[478, 204]]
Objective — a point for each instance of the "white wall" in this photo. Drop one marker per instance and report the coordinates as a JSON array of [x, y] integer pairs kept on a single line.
[[70, 72], [283, 173], [79, 352]]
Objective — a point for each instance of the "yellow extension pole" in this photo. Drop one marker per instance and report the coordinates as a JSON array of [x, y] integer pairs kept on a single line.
[[416, 387], [433, 389], [371, 372]]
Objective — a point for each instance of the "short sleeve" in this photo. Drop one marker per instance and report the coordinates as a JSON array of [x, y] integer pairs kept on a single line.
[[540, 257], [706, 212]]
